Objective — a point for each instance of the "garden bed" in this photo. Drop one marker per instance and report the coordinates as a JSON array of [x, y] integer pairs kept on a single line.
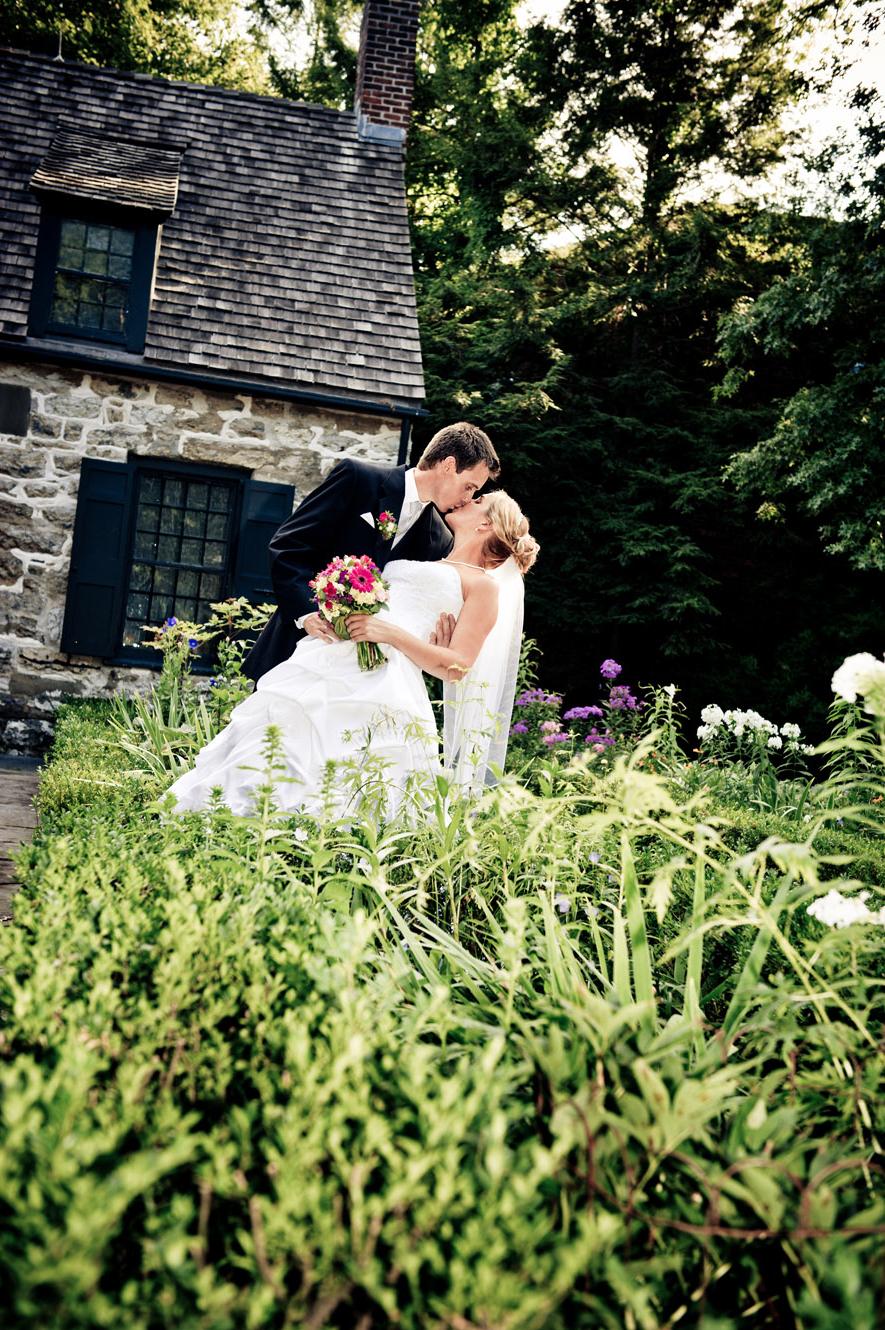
[[577, 1056]]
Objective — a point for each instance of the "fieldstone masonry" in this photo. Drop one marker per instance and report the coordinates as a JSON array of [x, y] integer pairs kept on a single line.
[[75, 415]]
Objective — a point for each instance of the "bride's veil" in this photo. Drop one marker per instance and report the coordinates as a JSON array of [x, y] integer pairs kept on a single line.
[[477, 711]]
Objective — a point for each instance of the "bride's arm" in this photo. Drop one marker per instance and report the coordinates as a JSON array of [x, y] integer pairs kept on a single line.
[[450, 663]]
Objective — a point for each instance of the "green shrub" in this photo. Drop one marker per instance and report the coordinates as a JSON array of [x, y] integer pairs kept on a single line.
[[574, 1056]]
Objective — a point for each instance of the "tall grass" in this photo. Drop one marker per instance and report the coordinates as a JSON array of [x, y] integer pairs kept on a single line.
[[574, 1055]]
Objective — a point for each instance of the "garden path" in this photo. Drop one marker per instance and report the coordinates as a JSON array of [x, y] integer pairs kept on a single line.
[[18, 817]]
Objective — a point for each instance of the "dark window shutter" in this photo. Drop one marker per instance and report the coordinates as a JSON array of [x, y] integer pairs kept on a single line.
[[98, 560], [265, 507]]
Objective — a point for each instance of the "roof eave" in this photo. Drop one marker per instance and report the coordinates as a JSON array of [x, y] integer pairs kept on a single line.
[[119, 362]]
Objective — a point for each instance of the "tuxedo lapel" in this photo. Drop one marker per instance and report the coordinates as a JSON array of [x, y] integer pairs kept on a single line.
[[429, 538], [391, 492]]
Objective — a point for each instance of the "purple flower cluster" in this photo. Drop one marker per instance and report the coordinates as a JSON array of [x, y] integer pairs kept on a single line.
[[610, 669], [563, 737], [537, 695], [519, 728], [581, 713], [603, 740], [621, 699]]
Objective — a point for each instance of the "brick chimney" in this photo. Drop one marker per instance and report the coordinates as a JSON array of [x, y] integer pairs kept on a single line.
[[385, 75]]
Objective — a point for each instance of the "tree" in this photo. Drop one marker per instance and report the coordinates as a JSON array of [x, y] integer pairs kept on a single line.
[[817, 336], [200, 40]]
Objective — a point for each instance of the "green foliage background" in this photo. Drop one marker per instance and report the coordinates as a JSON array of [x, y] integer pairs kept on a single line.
[[685, 381]]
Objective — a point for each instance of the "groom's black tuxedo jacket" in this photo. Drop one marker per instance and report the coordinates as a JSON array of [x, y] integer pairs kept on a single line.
[[329, 523]]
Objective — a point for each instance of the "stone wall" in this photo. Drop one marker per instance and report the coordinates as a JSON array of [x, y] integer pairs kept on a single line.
[[75, 415]]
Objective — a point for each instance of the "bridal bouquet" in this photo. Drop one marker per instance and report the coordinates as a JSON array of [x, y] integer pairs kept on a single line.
[[352, 585]]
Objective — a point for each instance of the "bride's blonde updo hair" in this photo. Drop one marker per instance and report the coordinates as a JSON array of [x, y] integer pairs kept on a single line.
[[510, 533]]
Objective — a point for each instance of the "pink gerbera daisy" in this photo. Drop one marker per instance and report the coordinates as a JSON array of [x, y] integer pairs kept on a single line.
[[360, 579]]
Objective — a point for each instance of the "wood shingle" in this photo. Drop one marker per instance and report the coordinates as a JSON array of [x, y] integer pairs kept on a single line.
[[287, 256]]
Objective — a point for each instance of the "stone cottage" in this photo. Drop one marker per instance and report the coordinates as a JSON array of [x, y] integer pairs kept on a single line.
[[206, 298]]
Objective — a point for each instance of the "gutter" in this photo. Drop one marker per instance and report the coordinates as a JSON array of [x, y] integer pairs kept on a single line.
[[111, 365]]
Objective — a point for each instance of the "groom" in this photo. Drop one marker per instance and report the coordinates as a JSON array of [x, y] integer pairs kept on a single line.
[[342, 516]]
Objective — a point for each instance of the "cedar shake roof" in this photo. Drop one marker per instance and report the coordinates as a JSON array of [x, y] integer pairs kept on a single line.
[[109, 170], [287, 256]]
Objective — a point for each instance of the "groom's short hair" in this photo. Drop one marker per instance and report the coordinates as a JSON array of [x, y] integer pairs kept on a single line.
[[468, 444]]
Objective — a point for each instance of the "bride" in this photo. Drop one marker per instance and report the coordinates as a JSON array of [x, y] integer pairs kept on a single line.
[[327, 710]]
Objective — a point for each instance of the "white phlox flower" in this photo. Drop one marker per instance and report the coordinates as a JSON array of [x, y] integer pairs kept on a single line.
[[775, 741], [790, 731], [859, 674], [712, 715], [838, 911]]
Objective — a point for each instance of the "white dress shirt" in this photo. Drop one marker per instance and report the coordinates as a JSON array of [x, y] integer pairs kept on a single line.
[[412, 508]]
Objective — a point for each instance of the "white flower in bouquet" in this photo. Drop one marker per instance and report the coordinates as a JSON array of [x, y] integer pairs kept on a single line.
[[864, 675]]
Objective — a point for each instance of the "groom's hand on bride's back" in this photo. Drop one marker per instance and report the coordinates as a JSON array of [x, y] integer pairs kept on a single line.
[[442, 633], [316, 626]]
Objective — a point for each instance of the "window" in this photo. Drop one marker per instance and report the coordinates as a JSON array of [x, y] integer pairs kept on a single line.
[[181, 550], [103, 199], [154, 539], [93, 277]]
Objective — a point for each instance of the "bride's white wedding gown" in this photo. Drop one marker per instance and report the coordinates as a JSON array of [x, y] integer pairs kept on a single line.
[[329, 710]]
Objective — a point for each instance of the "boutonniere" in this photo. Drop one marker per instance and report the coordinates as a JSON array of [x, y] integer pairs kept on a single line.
[[386, 524]]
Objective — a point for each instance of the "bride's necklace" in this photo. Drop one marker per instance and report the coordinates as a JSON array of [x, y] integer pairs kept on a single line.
[[463, 564]]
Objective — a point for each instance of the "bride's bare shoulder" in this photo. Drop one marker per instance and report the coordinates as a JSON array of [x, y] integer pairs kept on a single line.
[[479, 587]]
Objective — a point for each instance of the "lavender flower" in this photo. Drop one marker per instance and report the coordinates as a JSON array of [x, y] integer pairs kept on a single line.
[[610, 669], [581, 713], [519, 728], [621, 699], [537, 695]]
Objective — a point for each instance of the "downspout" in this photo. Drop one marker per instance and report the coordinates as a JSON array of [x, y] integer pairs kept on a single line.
[[405, 431]]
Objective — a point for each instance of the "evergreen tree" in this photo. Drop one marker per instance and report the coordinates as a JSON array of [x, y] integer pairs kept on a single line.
[[814, 344]]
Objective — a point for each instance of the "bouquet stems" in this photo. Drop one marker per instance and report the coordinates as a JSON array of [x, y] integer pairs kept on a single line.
[[369, 655]]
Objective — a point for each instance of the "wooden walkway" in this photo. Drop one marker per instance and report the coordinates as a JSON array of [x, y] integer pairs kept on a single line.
[[18, 785]]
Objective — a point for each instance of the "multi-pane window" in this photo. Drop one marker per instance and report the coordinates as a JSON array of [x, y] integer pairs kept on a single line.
[[93, 275], [156, 538], [92, 279], [181, 551]]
